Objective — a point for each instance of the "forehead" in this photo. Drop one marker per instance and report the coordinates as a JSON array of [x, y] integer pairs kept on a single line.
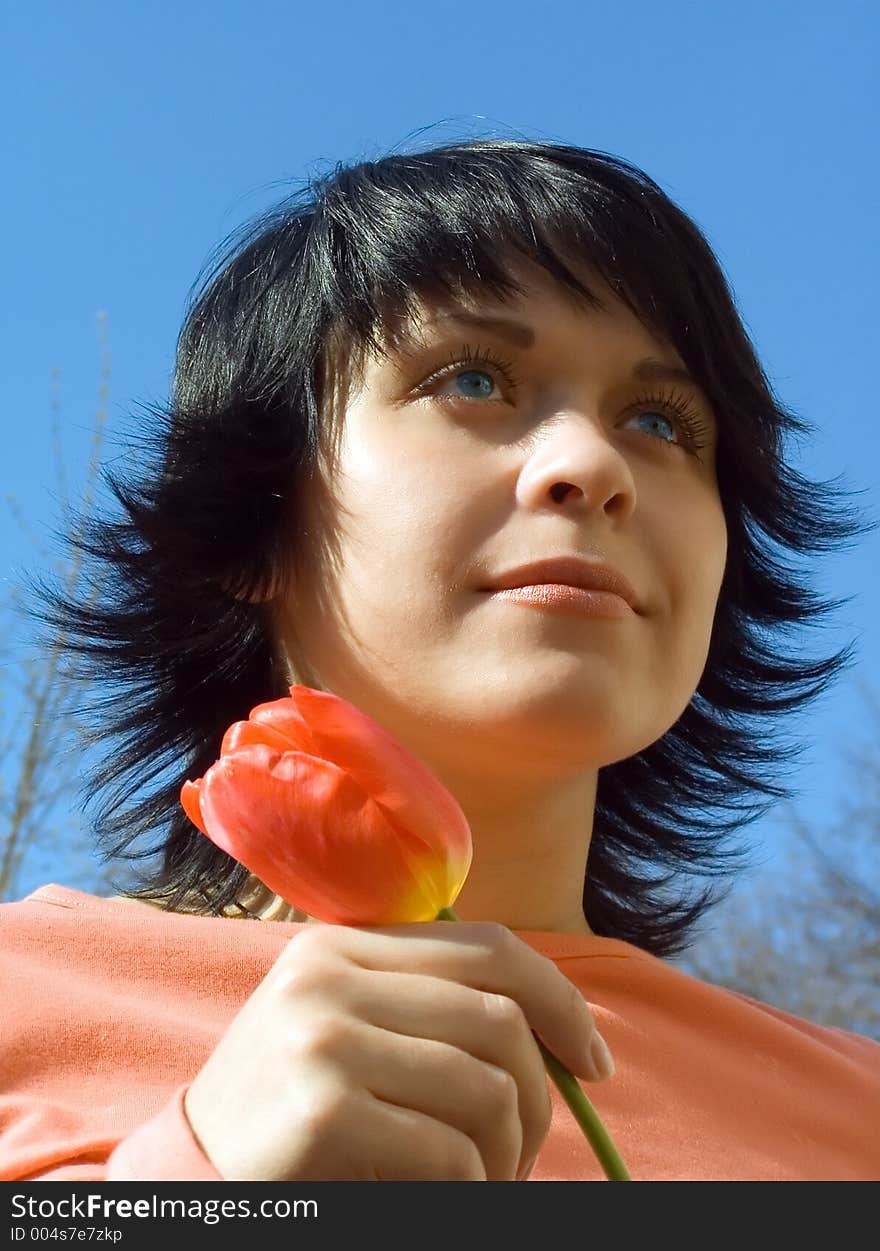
[[537, 295]]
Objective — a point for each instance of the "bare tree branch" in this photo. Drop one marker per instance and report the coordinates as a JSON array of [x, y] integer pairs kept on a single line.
[[37, 762]]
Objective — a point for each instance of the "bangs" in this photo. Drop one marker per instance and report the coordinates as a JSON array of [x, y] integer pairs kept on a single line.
[[446, 228]]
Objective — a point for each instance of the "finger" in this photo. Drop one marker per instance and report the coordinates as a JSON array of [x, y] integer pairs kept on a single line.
[[487, 957], [475, 1097], [380, 1141], [491, 1028], [418, 1148]]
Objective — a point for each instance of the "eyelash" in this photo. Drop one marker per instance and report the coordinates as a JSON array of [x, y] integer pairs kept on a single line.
[[676, 403]]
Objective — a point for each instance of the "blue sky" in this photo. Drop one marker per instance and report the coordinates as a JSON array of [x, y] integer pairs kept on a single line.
[[137, 136]]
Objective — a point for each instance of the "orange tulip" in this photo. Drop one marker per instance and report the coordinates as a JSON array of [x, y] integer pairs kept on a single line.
[[333, 814]]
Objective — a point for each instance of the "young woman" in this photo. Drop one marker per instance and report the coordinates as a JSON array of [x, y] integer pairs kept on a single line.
[[415, 409]]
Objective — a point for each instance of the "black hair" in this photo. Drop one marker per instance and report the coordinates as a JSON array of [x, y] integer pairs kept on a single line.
[[175, 624]]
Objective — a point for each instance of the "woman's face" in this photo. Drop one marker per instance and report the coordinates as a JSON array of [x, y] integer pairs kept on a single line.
[[517, 454]]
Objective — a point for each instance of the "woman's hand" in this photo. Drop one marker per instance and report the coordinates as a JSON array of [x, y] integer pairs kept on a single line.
[[402, 1053]]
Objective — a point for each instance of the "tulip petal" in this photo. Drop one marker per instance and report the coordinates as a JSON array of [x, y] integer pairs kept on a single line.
[[395, 777], [190, 799], [314, 837], [248, 733], [283, 716]]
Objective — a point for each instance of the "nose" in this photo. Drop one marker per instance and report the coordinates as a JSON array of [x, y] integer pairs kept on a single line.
[[571, 461]]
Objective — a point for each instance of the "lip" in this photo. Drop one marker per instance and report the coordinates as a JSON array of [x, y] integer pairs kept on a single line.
[[572, 571]]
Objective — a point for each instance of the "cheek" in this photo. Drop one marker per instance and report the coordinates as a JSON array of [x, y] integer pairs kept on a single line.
[[407, 506], [683, 534], [702, 560], [386, 583], [714, 530]]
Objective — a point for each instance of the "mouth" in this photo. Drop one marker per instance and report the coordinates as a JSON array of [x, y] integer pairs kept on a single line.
[[570, 579], [560, 597]]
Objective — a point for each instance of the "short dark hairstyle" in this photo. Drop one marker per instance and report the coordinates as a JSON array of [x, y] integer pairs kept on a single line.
[[172, 628]]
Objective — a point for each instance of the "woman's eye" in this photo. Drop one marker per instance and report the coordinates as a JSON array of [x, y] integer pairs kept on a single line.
[[471, 374], [472, 384], [656, 417]]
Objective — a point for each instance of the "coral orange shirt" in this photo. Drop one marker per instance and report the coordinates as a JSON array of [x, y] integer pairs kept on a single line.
[[109, 1009]]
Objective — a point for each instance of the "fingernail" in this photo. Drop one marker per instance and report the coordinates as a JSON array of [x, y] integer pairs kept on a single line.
[[601, 1056]]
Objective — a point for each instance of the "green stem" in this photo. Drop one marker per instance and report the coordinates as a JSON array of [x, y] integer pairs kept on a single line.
[[584, 1112]]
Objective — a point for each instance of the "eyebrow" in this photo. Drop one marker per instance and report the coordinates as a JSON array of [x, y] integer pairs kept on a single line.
[[518, 333]]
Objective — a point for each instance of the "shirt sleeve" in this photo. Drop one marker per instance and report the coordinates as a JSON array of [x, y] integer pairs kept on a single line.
[[162, 1149]]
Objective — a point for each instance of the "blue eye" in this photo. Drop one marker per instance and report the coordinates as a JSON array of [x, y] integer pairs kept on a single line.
[[471, 383], [478, 384], [659, 417], [683, 420]]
